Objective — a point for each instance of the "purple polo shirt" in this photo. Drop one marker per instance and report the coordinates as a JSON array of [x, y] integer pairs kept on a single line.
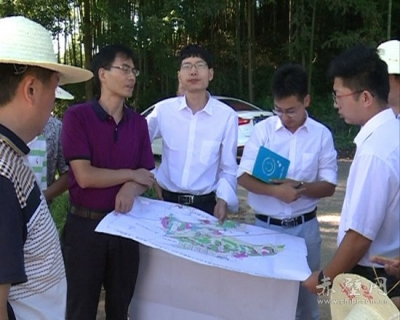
[[89, 133]]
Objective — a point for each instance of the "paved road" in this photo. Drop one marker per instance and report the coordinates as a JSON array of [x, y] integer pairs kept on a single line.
[[328, 216]]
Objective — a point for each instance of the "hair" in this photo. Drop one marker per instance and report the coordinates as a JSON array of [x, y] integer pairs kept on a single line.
[[105, 57], [361, 68], [290, 80], [194, 50], [13, 74]]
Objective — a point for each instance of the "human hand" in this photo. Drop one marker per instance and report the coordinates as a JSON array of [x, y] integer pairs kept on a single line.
[[312, 283], [392, 266], [221, 210], [125, 198], [288, 190], [143, 177]]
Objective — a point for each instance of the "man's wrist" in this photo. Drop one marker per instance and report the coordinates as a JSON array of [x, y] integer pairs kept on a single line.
[[322, 279]]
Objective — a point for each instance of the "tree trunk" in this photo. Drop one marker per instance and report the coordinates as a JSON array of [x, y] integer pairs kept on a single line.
[[238, 50], [311, 53], [250, 39], [87, 44]]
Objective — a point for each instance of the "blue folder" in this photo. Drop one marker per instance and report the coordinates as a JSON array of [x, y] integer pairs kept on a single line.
[[270, 165]]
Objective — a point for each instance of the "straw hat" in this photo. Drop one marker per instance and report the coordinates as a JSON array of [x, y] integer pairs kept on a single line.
[[356, 298], [63, 94], [389, 52], [25, 42]]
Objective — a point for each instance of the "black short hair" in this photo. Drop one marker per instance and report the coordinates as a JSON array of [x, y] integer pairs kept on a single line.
[[105, 57], [13, 74], [290, 80], [361, 68], [194, 50]]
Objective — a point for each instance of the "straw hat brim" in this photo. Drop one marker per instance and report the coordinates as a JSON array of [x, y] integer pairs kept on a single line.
[[67, 74], [373, 300]]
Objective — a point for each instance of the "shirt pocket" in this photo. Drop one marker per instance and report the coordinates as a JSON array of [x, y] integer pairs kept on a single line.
[[309, 162], [209, 150]]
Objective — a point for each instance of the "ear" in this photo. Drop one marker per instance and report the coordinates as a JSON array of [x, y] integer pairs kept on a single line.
[[367, 98], [210, 74], [307, 101], [102, 74], [29, 89]]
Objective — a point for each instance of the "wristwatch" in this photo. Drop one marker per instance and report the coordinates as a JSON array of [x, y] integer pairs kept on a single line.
[[300, 185]]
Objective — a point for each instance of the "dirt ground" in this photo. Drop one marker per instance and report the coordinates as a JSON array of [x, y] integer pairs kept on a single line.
[[328, 216]]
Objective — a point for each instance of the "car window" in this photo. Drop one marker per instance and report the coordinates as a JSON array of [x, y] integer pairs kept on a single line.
[[238, 105]]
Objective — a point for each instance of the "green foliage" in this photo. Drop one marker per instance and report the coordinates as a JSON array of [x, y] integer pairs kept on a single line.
[[58, 209]]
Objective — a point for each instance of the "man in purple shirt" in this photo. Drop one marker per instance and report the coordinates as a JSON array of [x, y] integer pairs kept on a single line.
[[108, 149]]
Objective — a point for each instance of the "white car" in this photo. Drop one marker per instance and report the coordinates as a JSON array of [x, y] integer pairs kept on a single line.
[[248, 114]]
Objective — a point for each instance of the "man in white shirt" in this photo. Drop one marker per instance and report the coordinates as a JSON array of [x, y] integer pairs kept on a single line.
[[289, 206], [199, 135], [370, 219], [389, 52]]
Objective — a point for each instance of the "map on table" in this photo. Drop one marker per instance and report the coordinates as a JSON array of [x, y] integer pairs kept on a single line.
[[195, 235]]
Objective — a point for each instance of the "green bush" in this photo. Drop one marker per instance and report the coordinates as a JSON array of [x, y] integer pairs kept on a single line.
[[58, 209]]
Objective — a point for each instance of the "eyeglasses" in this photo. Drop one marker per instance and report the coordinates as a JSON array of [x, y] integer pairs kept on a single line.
[[127, 69], [290, 113], [187, 66], [335, 96]]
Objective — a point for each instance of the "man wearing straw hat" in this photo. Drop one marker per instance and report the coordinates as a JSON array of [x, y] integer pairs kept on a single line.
[[32, 276], [370, 220]]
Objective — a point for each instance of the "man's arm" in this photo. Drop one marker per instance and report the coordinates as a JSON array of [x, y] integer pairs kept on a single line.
[[88, 176], [352, 248], [4, 291], [284, 191], [125, 196], [227, 182], [58, 187], [317, 189]]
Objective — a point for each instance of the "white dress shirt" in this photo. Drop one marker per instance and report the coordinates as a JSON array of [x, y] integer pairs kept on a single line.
[[312, 158], [199, 150], [371, 204]]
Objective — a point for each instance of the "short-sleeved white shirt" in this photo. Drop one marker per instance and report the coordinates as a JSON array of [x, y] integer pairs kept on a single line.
[[371, 205], [312, 158]]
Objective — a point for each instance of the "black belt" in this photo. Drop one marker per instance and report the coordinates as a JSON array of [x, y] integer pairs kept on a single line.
[[187, 199], [87, 213], [289, 222]]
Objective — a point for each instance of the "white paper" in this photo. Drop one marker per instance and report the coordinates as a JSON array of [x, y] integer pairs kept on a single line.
[[195, 235]]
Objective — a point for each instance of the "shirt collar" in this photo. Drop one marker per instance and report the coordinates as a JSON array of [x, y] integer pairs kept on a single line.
[[13, 141], [102, 114], [208, 108], [372, 124], [279, 125]]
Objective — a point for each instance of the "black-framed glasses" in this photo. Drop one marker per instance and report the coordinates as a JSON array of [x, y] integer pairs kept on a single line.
[[187, 66], [127, 69], [336, 96]]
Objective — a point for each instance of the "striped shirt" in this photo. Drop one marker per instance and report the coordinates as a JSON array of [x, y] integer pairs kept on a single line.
[[29, 246], [37, 160]]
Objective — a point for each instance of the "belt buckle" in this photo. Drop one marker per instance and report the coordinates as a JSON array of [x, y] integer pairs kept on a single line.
[[186, 199], [289, 222]]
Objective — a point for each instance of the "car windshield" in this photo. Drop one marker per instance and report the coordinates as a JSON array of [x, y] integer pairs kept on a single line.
[[238, 105]]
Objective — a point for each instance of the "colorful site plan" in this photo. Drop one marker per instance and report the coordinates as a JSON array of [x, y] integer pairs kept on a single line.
[[197, 236]]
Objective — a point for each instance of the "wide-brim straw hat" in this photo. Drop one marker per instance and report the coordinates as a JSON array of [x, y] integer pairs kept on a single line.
[[25, 42], [63, 94], [354, 297]]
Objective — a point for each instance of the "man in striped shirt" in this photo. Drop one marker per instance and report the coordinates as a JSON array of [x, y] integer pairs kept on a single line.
[[32, 276]]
